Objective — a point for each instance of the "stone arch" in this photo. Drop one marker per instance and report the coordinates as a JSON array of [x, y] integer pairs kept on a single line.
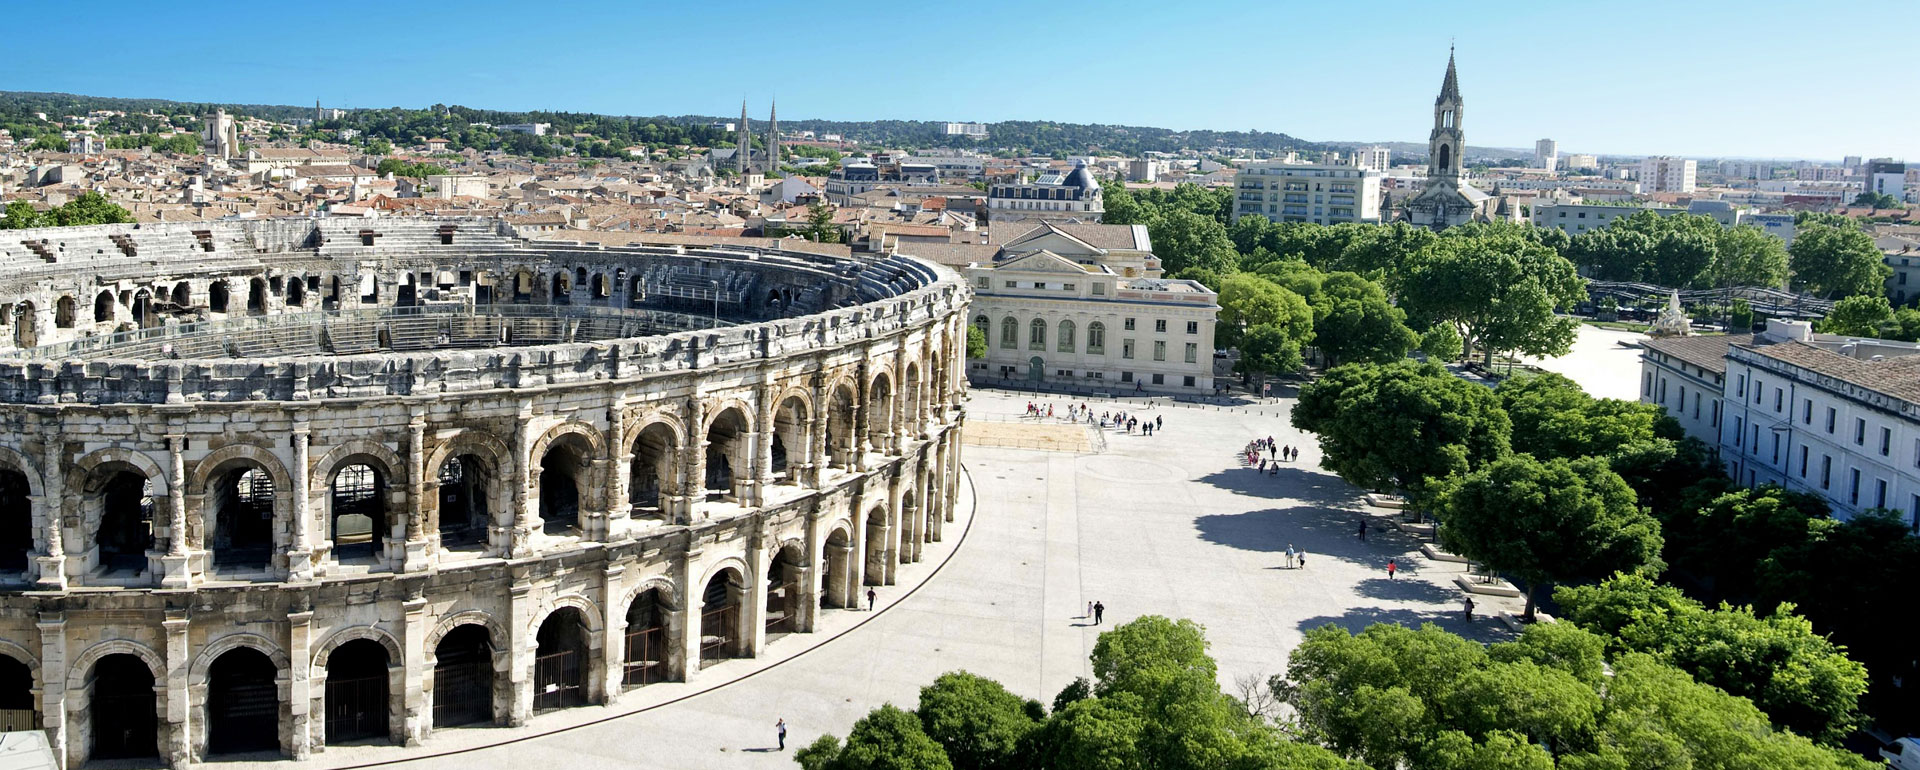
[[469, 441], [396, 655], [665, 585], [496, 633], [388, 461], [77, 673], [203, 471], [203, 514], [588, 610], [638, 421], [717, 408], [382, 508], [197, 672], [13, 459], [493, 489], [595, 441], [737, 563], [85, 466]]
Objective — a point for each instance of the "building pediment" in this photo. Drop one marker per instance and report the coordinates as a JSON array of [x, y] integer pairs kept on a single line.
[[1050, 238], [1042, 262]]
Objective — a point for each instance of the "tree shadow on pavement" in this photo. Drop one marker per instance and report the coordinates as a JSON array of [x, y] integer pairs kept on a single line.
[[1321, 532], [1406, 589], [1482, 629], [1291, 483]]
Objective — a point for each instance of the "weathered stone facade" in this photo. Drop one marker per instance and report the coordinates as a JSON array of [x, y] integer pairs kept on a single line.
[[451, 477]]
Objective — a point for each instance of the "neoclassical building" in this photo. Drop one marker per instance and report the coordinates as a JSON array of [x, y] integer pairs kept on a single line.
[[276, 485]]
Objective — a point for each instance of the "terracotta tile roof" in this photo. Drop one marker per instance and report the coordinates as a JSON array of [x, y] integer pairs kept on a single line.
[[1897, 377], [1708, 352]]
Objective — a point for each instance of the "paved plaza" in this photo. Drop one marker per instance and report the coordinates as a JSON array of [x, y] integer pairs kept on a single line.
[[1172, 524], [1606, 362]]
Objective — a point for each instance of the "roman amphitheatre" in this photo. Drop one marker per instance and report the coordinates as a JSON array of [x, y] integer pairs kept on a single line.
[[268, 486]]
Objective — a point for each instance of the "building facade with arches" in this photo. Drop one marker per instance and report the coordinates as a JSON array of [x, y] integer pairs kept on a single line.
[[421, 474]]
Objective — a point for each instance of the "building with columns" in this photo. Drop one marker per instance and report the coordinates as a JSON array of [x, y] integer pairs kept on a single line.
[[373, 481]]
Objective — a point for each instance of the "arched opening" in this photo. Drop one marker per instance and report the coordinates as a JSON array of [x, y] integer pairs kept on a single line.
[[790, 444], [1009, 333], [841, 442], [121, 709], [63, 313], [242, 502], [600, 290], [720, 606], [836, 559], [463, 502], [876, 556], [774, 302], [103, 307], [257, 296], [563, 483], [1037, 335], [560, 663], [217, 296], [637, 291], [182, 294], [143, 309], [562, 289], [358, 512], [357, 692], [1096, 338], [125, 497], [408, 291], [985, 326], [297, 291], [463, 677], [1446, 154], [726, 454], [880, 414], [646, 639], [783, 591], [26, 333], [1065, 341], [522, 287], [650, 476], [16, 521], [17, 706], [243, 703]]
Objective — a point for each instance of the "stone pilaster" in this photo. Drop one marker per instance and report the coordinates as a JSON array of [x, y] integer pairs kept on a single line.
[[300, 550], [51, 562], [175, 567]]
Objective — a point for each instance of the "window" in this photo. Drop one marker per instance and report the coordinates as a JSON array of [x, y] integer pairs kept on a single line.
[[1646, 384], [1160, 325], [1099, 290], [1803, 462], [1159, 350], [1193, 327], [1739, 431], [1193, 353], [1886, 442], [1065, 345], [1097, 338], [1859, 431], [1126, 349], [1126, 376], [1826, 471], [1012, 284], [1757, 390], [1853, 486], [1009, 333], [1715, 421], [985, 282], [1683, 398], [1159, 379], [1037, 335], [1806, 412], [1740, 386], [1830, 416], [1127, 324], [1776, 450], [1879, 493], [1777, 396]]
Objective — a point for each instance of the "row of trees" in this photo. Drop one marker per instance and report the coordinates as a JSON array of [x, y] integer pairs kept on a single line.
[[1539, 481], [1831, 256], [88, 209], [1389, 697]]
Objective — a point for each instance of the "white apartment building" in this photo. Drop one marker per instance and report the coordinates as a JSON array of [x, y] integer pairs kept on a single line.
[[1665, 174], [967, 129], [1578, 161], [1084, 307], [1375, 157], [1833, 416], [1546, 154], [1321, 194], [1052, 197], [1886, 177]]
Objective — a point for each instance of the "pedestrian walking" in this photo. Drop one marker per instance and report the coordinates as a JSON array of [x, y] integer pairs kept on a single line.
[[781, 728], [870, 597], [1392, 567], [1469, 609], [1289, 556], [1099, 610], [1159, 422], [1363, 529], [1301, 559]]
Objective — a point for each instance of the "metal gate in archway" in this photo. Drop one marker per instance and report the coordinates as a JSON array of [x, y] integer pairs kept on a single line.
[[558, 680], [719, 628], [646, 656]]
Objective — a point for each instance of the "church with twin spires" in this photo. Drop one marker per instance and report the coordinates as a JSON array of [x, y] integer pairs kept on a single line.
[[1445, 202]]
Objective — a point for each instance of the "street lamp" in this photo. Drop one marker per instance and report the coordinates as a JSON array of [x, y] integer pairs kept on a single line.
[[716, 303]]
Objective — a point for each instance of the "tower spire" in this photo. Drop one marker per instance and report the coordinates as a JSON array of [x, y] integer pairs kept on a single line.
[[1450, 88], [773, 136], [745, 143]]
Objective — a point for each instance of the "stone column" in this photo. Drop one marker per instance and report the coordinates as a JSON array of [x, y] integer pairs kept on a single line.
[[937, 485], [179, 744], [521, 654], [174, 565], [620, 457], [300, 555], [857, 544], [614, 620], [952, 439], [418, 719], [689, 633], [810, 574], [515, 540], [762, 443], [51, 506], [895, 526], [52, 625], [900, 404], [696, 459], [754, 636], [299, 688], [414, 555], [817, 436], [862, 440]]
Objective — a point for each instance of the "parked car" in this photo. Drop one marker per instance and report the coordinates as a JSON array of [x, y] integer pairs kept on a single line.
[[1902, 754]]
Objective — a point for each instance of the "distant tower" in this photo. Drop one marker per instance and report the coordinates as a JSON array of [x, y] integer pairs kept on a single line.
[[745, 150], [1442, 203], [773, 136], [218, 135], [316, 110]]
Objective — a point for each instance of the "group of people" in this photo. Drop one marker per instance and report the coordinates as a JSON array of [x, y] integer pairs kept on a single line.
[[1097, 611], [1265, 456], [1296, 559], [1131, 423], [1116, 419]]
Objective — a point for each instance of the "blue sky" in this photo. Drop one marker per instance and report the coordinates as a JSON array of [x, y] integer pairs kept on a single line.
[[1694, 77]]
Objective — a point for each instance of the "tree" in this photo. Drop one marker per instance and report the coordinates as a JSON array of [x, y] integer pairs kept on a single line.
[[1799, 678], [1441, 344], [1185, 239], [976, 720], [1402, 425], [885, 739], [1352, 321], [1502, 750], [1861, 315], [1498, 287], [90, 208], [1554, 417], [379, 147], [48, 143], [1267, 349], [976, 342], [1247, 301], [1554, 521], [1876, 200], [1836, 261], [820, 226], [1748, 256]]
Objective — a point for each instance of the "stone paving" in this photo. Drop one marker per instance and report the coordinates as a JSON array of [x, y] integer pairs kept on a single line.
[[1606, 362], [1172, 524]]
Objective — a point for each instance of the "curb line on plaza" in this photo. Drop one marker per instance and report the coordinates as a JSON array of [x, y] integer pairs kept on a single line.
[[964, 531]]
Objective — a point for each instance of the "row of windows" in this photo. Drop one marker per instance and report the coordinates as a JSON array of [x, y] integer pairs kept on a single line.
[[1066, 342]]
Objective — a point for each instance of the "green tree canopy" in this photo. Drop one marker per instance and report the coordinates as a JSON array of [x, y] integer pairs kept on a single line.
[[1554, 417], [976, 720], [1402, 425], [1498, 286], [1247, 301], [886, 739], [1353, 321], [1185, 239], [1836, 261], [1554, 521], [91, 208], [1441, 344]]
